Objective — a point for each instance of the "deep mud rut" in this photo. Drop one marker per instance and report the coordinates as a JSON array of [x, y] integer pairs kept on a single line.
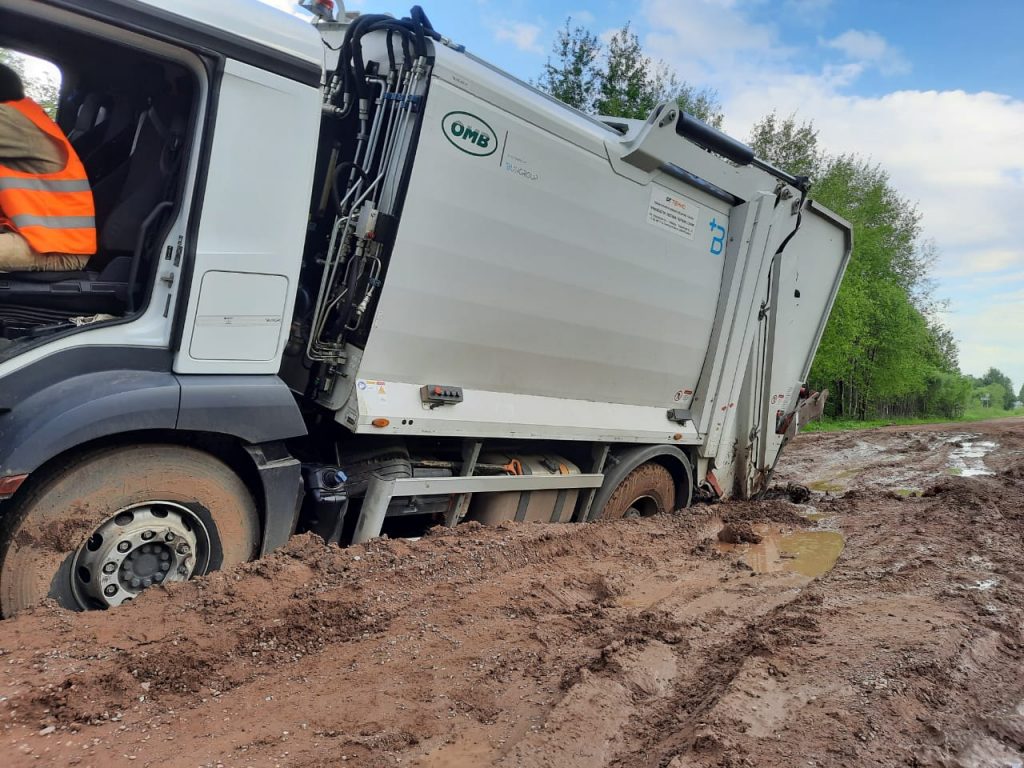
[[632, 643]]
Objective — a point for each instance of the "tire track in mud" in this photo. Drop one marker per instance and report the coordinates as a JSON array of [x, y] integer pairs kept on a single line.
[[672, 727], [658, 674]]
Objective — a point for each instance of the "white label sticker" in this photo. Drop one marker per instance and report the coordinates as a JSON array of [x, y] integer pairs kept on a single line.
[[672, 212], [238, 320], [374, 391]]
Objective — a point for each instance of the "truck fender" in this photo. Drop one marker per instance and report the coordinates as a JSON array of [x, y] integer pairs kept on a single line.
[[79, 409], [76, 410], [44, 413], [256, 409], [624, 462]]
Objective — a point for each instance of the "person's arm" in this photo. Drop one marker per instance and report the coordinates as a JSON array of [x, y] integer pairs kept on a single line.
[[25, 148]]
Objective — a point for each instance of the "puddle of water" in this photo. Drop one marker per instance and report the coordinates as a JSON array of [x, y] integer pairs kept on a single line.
[[969, 472], [826, 486], [837, 483], [808, 553], [811, 513], [968, 457]]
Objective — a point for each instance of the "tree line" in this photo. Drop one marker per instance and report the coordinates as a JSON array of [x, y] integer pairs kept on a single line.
[[884, 354]]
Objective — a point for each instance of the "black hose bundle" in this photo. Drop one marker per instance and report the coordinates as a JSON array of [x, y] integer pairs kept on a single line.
[[413, 31], [354, 87]]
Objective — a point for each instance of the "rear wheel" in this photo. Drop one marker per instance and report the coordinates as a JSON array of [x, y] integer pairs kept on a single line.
[[96, 533], [647, 490]]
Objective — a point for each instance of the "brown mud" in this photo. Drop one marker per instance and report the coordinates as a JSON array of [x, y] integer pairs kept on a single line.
[[630, 643]]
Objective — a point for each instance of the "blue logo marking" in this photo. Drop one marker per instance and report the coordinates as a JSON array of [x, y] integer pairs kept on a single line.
[[718, 238]]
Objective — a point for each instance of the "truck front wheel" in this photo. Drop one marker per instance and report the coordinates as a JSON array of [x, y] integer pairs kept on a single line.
[[95, 533]]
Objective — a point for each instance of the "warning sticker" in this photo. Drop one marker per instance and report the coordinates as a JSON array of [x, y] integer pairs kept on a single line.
[[684, 397], [672, 212], [374, 390]]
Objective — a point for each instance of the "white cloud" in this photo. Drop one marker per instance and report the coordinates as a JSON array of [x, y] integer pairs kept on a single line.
[[986, 262], [809, 13], [583, 17], [522, 35], [708, 35], [947, 150], [870, 48], [993, 335]]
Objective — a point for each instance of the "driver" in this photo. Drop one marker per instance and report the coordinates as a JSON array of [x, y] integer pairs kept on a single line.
[[47, 218]]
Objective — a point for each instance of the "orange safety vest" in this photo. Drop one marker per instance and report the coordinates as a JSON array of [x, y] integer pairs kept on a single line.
[[54, 212]]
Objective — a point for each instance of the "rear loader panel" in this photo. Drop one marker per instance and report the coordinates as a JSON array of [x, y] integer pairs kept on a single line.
[[525, 266], [797, 297], [804, 284]]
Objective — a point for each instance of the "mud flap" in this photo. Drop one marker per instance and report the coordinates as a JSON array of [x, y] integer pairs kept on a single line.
[[280, 478]]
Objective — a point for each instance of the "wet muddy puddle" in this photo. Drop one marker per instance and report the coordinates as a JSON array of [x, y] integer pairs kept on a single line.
[[811, 513], [837, 483], [967, 458], [807, 553]]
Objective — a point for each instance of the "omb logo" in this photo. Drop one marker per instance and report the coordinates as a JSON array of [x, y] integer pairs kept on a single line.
[[469, 133]]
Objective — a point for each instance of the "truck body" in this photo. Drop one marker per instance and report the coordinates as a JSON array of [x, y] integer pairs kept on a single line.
[[368, 282]]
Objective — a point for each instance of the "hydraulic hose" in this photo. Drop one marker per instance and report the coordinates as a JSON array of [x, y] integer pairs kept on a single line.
[[336, 182]]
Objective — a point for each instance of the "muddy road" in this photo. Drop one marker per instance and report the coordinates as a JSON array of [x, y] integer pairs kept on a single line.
[[878, 622]]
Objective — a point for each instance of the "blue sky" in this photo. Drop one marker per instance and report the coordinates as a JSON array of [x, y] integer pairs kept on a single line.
[[933, 91]]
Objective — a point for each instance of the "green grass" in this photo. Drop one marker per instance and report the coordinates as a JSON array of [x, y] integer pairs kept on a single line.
[[975, 413]]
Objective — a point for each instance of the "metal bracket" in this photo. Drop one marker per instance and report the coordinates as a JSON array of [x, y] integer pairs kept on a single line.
[[679, 415], [600, 453], [380, 492], [470, 454], [374, 509]]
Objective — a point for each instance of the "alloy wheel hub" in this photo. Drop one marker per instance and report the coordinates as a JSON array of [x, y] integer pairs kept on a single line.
[[152, 543]]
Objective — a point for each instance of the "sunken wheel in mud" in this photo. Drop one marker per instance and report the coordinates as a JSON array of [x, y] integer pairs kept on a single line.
[[647, 490], [96, 532]]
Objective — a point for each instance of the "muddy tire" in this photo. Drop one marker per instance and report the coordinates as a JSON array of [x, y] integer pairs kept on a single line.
[[647, 490], [47, 538]]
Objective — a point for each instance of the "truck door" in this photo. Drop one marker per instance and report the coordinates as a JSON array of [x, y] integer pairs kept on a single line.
[[251, 236]]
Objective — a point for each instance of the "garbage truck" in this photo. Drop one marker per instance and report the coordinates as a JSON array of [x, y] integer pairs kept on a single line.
[[354, 280]]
